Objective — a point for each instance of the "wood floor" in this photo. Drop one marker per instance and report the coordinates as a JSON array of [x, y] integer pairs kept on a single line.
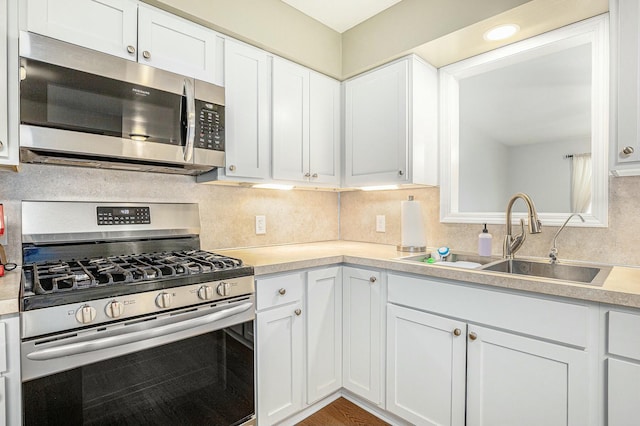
[[342, 413]]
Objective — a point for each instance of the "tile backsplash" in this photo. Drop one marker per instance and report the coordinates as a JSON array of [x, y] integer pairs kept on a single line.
[[227, 214], [616, 244]]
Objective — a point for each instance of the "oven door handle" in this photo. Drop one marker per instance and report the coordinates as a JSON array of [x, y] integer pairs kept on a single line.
[[136, 336]]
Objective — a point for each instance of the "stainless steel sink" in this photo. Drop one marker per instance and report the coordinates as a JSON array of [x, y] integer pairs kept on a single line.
[[593, 275]]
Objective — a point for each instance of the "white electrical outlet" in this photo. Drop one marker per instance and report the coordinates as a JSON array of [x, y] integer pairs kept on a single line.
[[261, 225], [380, 223]]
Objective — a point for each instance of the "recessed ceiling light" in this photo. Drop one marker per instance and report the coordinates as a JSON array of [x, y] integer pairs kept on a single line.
[[501, 32]]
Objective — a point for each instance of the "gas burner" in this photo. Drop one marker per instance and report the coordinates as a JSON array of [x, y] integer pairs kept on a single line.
[[63, 276]]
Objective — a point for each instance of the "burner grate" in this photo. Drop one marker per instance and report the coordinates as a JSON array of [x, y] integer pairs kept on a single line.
[[70, 275]]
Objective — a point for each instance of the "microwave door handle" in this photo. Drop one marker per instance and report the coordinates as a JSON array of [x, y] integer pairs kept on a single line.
[[191, 120], [136, 336]]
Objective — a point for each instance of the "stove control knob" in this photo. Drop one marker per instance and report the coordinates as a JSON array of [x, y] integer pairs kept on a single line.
[[224, 289], [85, 314], [163, 300], [205, 292], [114, 309]]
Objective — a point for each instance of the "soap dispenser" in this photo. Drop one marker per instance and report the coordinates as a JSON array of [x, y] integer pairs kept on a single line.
[[484, 242]]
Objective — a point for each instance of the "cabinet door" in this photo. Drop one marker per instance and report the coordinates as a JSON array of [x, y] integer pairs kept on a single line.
[[247, 109], [290, 121], [376, 127], [177, 45], [623, 397], [324, 130], [109, 26], [279, 353], [363, 360], [324, 333], [514, 380], [426, 357]]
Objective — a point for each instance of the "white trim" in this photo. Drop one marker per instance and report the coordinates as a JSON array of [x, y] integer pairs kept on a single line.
[[594, 31]]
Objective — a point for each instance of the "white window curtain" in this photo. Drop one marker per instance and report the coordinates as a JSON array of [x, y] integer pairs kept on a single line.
[[581, 183]]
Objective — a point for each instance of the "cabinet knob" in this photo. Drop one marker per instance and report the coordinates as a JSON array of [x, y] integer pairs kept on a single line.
[[307, 175], [628, 150], [400, 173], [457, 332], [315, 175], [232, 168], [131, 49], [373, 280], [1, 146], [473, 336], [298, 311], [146, 54], [282, 291]]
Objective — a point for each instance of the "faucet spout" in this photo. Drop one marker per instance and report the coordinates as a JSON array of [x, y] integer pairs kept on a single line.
[[553, 253], [512, 244]]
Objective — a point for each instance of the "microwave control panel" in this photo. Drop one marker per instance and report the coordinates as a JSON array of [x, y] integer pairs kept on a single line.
[[123, 215], [209, 126]]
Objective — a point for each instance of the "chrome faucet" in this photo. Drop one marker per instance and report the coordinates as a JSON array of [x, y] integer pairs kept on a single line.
[[513, 244], [553, 253]]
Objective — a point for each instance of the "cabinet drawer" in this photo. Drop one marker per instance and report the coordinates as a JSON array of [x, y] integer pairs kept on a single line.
[[623, 339], [549, 319], [278, 290]]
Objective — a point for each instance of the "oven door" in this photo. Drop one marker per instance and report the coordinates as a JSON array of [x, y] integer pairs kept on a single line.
[[187, 367]]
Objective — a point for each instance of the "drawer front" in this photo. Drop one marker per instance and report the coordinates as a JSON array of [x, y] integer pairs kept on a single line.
[[623, 336], [278, 290], [549, 319]]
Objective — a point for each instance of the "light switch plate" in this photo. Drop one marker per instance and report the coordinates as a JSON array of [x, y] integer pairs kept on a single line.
[[380, 223], [261, 225]]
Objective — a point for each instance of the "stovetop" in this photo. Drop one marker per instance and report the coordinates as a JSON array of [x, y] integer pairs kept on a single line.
[[72, 275], [52, 283]]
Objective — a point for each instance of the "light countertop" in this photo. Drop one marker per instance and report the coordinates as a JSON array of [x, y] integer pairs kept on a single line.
[[622, 286]]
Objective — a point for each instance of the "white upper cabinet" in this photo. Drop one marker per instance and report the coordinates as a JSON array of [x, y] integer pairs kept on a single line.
[[391, 125], [8, 84], [132, 31], [246, 113], [625, 155], [4, 122], [175, 44], [306, 125], [109, 26]]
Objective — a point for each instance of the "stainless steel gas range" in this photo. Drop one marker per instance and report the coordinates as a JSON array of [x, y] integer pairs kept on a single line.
[[125, 320]]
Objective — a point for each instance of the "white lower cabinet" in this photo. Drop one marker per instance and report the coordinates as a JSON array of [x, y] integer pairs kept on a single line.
[[363, 333], [622, 367], [425, 367], [298, 342], [324, 332], [10, 382], [533, 361]]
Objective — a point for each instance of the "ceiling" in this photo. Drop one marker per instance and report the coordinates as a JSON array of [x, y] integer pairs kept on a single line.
[[341, 15]]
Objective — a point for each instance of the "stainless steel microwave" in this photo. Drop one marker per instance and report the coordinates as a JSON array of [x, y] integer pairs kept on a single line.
[[86, 108]]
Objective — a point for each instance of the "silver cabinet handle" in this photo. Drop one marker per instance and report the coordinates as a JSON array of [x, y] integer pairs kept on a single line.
[[307, 175], [628, 150], [298, 311], [1, 145], [400, 173], [146, 54], [232, 168], [282, 291], [131, 49], [373, 280], [136, 336], [473, 336], [315, 175], [457, 332]]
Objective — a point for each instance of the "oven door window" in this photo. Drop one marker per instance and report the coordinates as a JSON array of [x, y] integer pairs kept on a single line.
[[203, 380], [67, 99]]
